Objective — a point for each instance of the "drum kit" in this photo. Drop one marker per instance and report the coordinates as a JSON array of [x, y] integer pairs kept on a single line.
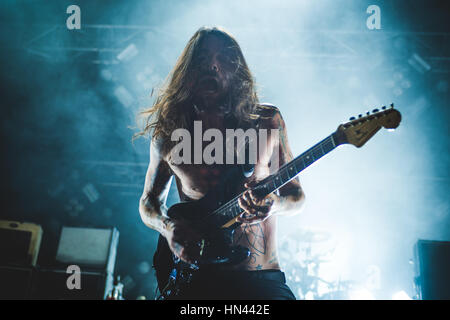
[[301, 262]]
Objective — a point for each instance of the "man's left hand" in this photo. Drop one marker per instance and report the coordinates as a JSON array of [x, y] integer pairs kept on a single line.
[[256, 208]]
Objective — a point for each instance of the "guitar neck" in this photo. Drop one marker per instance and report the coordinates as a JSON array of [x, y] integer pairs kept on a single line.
[[290, 170], [285, 173]]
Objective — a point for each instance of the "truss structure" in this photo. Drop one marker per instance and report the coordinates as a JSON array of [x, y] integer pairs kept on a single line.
[[332, 49]]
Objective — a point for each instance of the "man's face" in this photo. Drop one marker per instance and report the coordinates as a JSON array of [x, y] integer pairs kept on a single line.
[[215, 65]]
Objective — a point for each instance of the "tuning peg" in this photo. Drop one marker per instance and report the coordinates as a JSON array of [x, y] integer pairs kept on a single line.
[[359, 115], [352, 118], [368, 113], [375, 110], [392, 105], [383, 107]]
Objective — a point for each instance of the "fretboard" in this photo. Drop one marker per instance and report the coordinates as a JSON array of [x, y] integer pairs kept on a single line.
[[285, 173]]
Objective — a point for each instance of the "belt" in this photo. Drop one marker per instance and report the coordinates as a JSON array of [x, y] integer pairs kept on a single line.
[[268, 274]]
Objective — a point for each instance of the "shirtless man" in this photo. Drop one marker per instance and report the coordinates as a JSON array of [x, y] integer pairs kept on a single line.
[[211, 83]]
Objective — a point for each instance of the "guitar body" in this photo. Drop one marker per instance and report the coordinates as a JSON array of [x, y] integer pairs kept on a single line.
[[217, 247]]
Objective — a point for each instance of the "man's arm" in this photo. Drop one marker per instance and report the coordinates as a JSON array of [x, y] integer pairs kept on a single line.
[[181, 238], [289, 199], [156, 181]]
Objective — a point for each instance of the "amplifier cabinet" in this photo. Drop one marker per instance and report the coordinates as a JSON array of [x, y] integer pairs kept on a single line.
[[19, 243], [92, 248], [15, 282], [52, 284], [432, 261]]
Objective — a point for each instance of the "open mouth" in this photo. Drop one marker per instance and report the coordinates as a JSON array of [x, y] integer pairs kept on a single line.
[[209, 84]]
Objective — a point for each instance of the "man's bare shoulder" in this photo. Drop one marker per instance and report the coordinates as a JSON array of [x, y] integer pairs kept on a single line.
[[159, 147], [269, 116]]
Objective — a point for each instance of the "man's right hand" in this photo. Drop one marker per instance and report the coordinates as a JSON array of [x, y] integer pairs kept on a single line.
[[183, 240]]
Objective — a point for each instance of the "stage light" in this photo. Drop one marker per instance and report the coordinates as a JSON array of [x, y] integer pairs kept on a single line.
[[91, 192], [144, 267], [401, 295], [419, 64], [309, 296], [128, 283], [398, 92], [128, 53], [74, 207], [124, 96], [361, 294], [106, 74], [406, 84]]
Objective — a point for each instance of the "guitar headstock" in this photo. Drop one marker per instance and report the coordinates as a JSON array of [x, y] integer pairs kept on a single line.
[[359, 130]]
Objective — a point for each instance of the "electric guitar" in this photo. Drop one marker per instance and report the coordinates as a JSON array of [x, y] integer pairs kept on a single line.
[[215, 215]]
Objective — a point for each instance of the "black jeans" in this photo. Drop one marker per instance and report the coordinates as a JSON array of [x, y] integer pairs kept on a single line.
[[238, 285]]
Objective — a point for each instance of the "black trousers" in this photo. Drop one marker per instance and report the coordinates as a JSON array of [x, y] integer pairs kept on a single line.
[[238, 285]]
